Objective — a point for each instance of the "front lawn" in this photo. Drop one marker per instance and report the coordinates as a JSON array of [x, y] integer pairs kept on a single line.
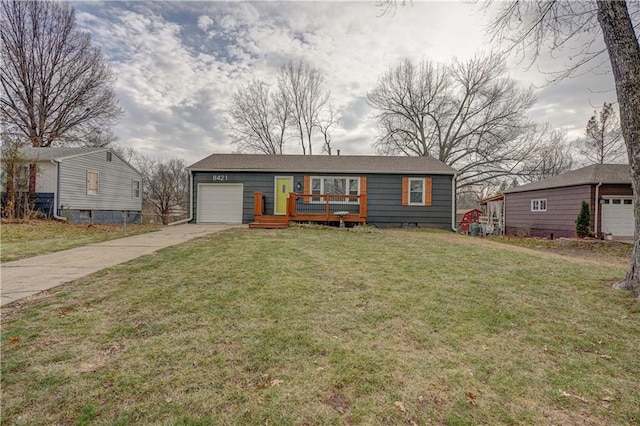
[[313, 326], [32, 238]]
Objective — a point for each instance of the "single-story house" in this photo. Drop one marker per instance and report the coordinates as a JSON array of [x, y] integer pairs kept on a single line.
[[92, 185], [551, 206], [272, 190]]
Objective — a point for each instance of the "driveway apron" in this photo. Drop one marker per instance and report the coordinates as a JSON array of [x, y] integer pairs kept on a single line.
[[22, 278]]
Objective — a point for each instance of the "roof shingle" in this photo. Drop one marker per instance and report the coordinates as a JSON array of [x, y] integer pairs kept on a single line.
[[322, 164], [597, 173]]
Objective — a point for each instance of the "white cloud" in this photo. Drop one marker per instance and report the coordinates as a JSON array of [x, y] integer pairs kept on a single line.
[[178, 63]]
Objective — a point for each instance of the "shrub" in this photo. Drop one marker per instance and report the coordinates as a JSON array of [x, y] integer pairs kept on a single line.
[[583, 221]]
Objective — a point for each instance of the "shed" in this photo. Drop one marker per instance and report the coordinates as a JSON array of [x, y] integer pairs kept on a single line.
[[467, 217]]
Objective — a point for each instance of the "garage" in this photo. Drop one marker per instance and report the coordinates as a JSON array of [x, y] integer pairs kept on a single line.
[[617, 216], [220, 203]]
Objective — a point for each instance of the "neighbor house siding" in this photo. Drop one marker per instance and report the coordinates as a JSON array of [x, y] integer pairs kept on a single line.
[[563, 206], [114, 183], [384, 195], [45, 177]]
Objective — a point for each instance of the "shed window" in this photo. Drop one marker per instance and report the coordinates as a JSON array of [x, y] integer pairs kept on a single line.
[[92, 183], [539, 205]]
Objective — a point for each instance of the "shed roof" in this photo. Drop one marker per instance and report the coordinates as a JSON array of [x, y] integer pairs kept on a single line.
[[597, 173], [322, 164]]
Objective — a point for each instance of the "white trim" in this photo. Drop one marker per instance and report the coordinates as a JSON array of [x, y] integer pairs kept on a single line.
[[275, 193], [537, 205], [424, 184]]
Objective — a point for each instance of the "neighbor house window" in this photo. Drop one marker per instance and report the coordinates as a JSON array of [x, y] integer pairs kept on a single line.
[[85, 214], [336, 185], [135, 189], [109, 155], [539, 205], [92, 183], [416, 192]]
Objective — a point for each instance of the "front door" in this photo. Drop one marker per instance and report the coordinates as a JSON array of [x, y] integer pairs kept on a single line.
[[284, 186]]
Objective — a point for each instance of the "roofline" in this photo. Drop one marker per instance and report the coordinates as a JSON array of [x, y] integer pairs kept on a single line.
[[515, 190], [59, 159], [417, 172]]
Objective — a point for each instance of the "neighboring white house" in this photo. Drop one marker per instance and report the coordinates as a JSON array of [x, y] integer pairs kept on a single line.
[[91, 185]]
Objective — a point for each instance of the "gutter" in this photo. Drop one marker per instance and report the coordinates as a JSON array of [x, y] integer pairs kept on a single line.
[[55, 195], [453, 203], [597, 207], [190, 218]]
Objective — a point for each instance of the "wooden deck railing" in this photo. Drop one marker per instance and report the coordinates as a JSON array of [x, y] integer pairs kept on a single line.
[[327, 207]]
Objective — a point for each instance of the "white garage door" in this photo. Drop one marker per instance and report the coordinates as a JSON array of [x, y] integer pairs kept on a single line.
[[219, 203], [617, 217]]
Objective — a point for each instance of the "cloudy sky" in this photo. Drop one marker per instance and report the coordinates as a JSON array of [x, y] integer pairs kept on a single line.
[[178, 63]]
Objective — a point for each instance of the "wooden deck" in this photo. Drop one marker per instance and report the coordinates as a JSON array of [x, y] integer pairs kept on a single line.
[[317, 208]]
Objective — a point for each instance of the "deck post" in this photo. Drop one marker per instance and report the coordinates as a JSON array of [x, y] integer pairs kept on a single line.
[[363, 205], [258, 204]]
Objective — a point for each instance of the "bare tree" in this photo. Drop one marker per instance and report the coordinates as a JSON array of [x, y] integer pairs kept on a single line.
[[14, 179], [259, 119], [324, 125], [603, 141], [304, 87], [165, 184], [530, 26], [552, 155], [467, 114], [56, 87]]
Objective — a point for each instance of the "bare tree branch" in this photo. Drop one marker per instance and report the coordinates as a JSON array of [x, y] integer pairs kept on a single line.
[[56, 87], [467, 114]]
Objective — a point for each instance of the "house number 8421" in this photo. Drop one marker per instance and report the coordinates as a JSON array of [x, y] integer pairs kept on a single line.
[[220, 178]]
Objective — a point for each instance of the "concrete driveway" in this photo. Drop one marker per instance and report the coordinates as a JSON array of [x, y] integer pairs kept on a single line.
[[23, 278]]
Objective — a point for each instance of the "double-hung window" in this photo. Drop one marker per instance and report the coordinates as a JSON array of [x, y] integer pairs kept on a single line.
[[416, 192], [135, 189], [539, 205], [336, 186]]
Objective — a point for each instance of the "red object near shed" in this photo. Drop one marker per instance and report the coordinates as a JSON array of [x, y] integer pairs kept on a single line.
[[469, 216]]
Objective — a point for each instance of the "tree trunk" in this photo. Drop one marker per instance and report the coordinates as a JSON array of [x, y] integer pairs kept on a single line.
[[624, 54]]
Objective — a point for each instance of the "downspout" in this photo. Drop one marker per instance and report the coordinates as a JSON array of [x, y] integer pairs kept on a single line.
[[453, 203], [597, 207], [55, 194], [190, 218]]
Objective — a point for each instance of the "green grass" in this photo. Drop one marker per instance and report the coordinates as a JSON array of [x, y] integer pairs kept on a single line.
[[27, 239], [313, 326]]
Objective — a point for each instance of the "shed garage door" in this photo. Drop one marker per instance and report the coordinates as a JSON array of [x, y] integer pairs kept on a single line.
[[219, 203], [617, 217]]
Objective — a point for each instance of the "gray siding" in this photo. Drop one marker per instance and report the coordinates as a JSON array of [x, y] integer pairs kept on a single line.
[[385, 202], [563, 206], [114, 186], [384, 196]]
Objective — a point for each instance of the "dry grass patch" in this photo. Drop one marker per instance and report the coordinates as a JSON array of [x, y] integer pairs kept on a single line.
[[32, 238], [305, 326]]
